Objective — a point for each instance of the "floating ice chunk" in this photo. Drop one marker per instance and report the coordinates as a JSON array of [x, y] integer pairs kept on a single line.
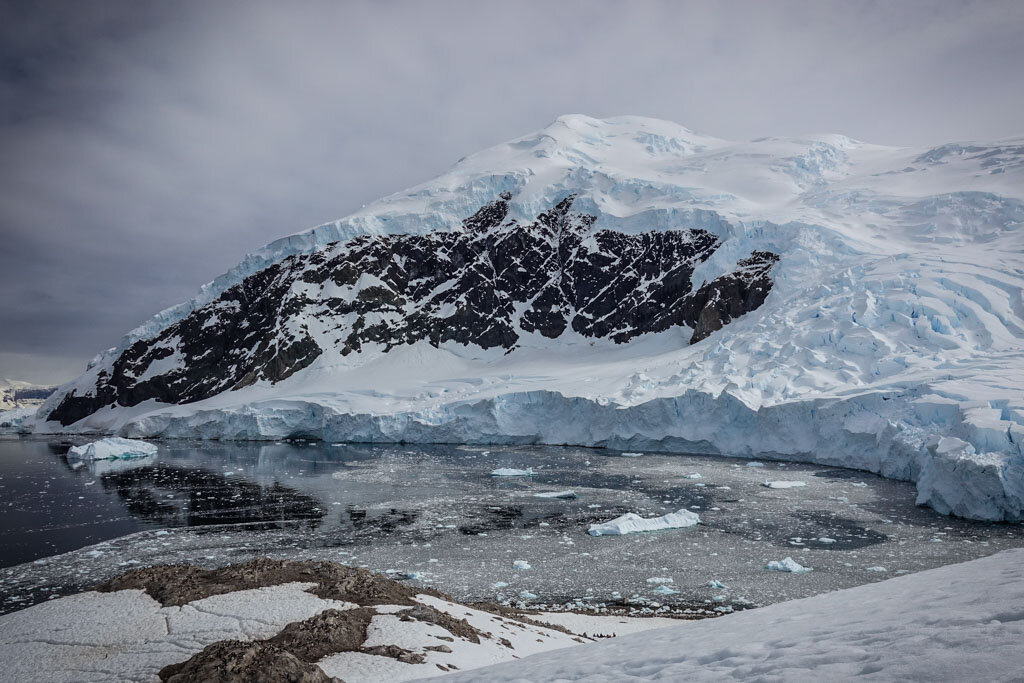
[[787, 565], [556, 494], [630, 523], [499, 584], [877, 569], [784, 484], [825, 539], [113, 448], [511, 472], [660, 579], [665, 590], [415, 576], [630, 455], [692, 475], [527, 595], [714, 584], [859, 484], [754, 463], [521, 564]]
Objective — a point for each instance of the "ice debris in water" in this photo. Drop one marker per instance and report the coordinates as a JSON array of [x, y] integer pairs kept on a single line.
[[511, 472], [113, 448], [665, 590], [714, 584], [787, 565], [784, 484], [692, 475], [877, 569], [521, 564], [825, 539], [630, 455], [754, 463], [499, 584], [630, 523], [660, 579], [556, 494], [527, 595]]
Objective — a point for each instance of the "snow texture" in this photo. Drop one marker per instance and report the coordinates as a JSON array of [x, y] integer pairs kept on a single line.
[[962, 622], [631, 523], [895, 319]]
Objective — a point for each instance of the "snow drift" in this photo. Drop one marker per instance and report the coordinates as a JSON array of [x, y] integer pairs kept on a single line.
[[891, 338]]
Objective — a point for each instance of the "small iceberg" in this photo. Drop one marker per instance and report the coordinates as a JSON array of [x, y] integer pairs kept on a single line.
[[692, 475], [788, 565], [665, 590], [631, 523], [112, 448], [715, 584], [510, 472], [521, 564], [660, 579], [630, 455], [754, 463], [527, 595], [556, 494], [784, 484]]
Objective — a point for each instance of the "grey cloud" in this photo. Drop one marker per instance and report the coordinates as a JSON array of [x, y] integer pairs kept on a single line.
[[147, 146]]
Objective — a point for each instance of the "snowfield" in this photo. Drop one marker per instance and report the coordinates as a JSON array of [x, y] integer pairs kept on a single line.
[[960, 622], [892, 339]]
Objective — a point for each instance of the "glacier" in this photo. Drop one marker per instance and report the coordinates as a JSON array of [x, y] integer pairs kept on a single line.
[[892, 340]]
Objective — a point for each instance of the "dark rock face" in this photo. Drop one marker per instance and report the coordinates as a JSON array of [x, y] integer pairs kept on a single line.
[[485, 285]]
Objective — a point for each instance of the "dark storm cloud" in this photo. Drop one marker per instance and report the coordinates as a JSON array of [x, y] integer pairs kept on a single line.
[[146, 146]]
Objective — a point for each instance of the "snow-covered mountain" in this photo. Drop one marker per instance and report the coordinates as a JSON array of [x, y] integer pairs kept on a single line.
[[17, 394], [627, 283]]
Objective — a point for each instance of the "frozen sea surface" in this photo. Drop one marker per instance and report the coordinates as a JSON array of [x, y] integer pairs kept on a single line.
[[436, 513]]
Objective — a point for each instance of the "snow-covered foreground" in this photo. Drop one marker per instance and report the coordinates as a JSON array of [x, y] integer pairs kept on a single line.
[[961, 622], [129, 636], [892, 339]]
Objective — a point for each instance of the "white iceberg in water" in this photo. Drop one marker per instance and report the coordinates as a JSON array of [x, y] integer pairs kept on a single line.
[[631, 523], [521, 564], [665, 590], [784, 484], [113, 448], [555, 494], [788, 565], [510, 472], [630, 455]]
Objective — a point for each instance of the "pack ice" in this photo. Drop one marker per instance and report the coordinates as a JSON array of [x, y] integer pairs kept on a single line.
[[890, 337]]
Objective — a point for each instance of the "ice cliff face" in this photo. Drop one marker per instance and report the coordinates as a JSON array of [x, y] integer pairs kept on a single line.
[[627, 282]]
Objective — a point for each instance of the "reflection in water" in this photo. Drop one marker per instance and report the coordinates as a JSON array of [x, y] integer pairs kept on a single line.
[[171, 495]]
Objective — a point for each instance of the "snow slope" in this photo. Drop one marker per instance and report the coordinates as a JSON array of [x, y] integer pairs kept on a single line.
[[128, 636], [960, 622], [896, 319]]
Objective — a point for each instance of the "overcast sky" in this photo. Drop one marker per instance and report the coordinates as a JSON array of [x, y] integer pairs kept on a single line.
[[145, 147]]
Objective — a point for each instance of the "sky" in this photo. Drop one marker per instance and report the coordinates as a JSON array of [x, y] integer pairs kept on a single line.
[[147, 146]]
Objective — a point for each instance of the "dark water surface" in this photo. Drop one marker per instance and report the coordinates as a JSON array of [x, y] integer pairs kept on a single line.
[[435, 511]]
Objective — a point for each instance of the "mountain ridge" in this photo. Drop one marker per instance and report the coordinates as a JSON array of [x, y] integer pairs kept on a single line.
[[892, 315]]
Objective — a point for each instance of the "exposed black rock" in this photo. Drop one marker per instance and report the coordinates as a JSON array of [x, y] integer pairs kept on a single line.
[[485, 284]]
